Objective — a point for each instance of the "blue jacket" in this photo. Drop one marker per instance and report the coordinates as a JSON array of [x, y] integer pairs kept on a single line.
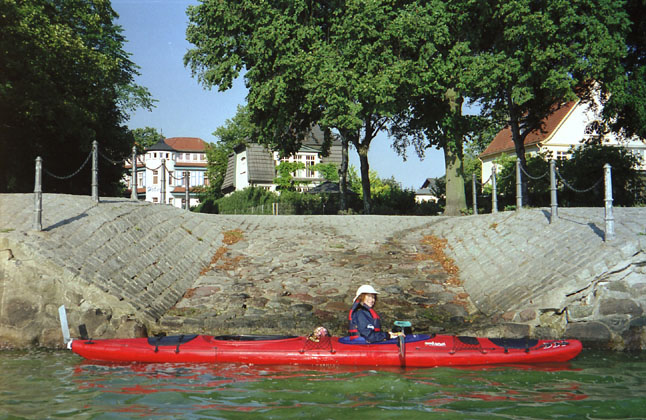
[[365, 322]]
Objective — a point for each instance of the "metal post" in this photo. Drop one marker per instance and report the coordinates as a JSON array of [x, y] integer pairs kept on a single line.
[[187, 196], [95, 171], [38, 196], [474, 194], [133, 194], [609, 218], [553, 198], [519, 188], [494, 193], [162, 199]]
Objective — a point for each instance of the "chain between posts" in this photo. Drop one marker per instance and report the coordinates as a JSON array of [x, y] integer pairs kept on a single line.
[[94, 155], [87, 159], [553, 173]]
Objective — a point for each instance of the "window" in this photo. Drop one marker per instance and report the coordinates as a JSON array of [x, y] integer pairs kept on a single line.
[[561, 155], [155, 178], [309, 165], [155, 200], [141, 179], [170, 178], [194, 156]]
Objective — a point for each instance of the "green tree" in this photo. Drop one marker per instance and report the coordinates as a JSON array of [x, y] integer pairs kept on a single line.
[[331, 63], [285, 180], [626, 108], [585, 169], [146, 137], [328, 171], [65, 81], [234, 132], [536, 54], [438, 45]]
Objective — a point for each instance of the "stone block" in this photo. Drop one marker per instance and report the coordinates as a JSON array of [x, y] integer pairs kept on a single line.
[[527, 315], [611, 306], [592, 331], [616, 323], [516, 330], [579, 312], [545, 333]]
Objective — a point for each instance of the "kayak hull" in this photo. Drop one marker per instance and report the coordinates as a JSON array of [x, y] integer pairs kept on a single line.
[[419, 351]]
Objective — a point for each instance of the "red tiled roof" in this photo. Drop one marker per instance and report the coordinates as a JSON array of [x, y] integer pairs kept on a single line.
[[504, 143], [186, 144]]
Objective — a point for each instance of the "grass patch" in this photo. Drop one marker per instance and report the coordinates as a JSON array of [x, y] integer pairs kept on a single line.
[[232, 236]]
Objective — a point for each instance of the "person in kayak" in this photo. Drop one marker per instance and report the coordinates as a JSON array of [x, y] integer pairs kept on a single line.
[[363, 320]]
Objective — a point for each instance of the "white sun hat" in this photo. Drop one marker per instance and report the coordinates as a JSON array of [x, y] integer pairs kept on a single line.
[[366, 288]]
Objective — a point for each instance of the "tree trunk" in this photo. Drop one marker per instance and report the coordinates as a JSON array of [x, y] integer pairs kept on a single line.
[[455, 197], [519, 145], [362, 150], [365, 178], [343, 171]]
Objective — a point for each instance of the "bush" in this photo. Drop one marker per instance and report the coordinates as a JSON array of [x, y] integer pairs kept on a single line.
[[252, 200], [585, 169], [582, 171]]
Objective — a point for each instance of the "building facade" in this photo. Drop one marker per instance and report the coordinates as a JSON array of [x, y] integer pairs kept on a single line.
[[571, 124], [253, 165], [165, 169]]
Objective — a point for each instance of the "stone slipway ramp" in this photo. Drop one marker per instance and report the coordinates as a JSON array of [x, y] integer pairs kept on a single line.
[[126, 268]]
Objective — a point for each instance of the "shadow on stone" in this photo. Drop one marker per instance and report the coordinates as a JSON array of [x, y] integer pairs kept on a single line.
[[66, 221]]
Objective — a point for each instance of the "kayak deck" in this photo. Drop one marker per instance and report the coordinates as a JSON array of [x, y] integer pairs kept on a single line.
[[419, 350]]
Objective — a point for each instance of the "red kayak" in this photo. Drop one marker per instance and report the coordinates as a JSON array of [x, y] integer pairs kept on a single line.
[[418, 350]]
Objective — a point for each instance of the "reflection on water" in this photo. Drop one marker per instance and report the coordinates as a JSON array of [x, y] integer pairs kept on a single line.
[[41, 384]]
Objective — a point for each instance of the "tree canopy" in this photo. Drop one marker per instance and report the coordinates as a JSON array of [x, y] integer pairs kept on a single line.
[[146, 137], [235, 131], [332, 63], [65, 81], [360, 67], [626, 107], [538, 54]]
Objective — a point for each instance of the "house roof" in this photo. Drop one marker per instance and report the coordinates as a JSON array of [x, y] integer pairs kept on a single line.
[[326, 187], [428, 183], [186, 144], [503, 141], [228, 181], [260, 166], [160, 145], [427, 186]]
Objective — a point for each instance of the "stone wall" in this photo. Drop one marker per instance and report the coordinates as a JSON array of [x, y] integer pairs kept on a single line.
[[125, 268]]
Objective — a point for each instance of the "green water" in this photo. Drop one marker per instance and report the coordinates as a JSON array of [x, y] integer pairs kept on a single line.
[[41, 384]]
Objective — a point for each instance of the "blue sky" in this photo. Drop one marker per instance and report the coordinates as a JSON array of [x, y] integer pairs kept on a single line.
[[155, 30]]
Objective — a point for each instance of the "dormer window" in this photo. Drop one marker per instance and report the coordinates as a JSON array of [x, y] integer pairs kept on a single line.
[[594, 132]]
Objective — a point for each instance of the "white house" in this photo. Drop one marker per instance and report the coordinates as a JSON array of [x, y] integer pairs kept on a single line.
[[253, 165], [571, 124], [426, 191], [161, 171]]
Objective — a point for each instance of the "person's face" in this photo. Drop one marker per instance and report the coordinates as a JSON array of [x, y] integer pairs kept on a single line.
[[369, 300]]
